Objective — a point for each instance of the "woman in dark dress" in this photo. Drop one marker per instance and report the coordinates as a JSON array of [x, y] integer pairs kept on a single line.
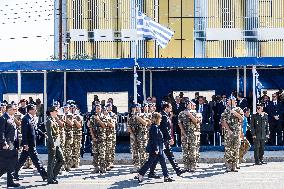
[[155, 149]]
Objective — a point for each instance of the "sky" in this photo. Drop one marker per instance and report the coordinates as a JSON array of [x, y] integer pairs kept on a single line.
[[25, 21]]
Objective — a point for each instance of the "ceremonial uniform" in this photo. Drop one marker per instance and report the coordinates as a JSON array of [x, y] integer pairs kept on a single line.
[[76, 145], [69, 138]]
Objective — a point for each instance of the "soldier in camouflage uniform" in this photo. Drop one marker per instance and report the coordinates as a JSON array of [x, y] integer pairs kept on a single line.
[[199, 117], [132, 127], [68, 139], [61, 120], [77, 135], [142, 136], [231, 120], [111, 137], [97, 125], [188, 122]]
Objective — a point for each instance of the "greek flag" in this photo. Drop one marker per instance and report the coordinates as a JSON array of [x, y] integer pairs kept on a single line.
[[258, 85], [149, 29]]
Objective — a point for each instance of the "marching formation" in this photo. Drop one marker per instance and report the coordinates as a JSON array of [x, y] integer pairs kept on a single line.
[[151, 137]]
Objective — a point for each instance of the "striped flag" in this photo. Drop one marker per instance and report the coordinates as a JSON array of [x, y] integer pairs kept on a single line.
[[258, 85], [149, 29]]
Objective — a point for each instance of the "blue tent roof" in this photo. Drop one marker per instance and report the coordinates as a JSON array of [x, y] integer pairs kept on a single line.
[[148, 63], [199, 63], [68, 65]]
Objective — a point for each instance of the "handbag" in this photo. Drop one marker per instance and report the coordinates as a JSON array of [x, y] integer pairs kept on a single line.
[[8, 160]]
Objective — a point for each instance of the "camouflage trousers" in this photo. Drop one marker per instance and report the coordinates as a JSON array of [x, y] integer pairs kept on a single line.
[[138, 149], [110, 146], [189, 149], [231, 155], [62, 142], [244, 148], [76, 147], [99, 155], [197, 146], [68, 153]]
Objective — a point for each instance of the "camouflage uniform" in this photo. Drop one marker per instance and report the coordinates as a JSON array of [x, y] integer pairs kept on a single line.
[[99, 146], [197, 130], [111, 139], [77, 139], [189, 141], [69, 138], [62, 135], [232, 140], [142, 139], [133, 125]]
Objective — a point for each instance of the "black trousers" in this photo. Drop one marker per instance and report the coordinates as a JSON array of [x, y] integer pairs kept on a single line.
[[259, 149], [169, 153], [32, 153], [275, 127], [55, 162], [154, 158]]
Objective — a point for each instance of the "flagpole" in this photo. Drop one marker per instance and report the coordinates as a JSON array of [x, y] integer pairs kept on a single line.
[[254, 88], [135, 60]]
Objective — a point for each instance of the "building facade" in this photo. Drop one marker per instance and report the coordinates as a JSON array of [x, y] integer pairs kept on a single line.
[[203, 28]]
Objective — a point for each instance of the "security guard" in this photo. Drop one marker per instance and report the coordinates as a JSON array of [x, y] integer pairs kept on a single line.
[[260, 132], [55, 155]]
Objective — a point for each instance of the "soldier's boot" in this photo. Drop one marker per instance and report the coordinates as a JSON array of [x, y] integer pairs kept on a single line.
[[186, 167], [228, 167], [96, 170], [111, 165], [234, 167]]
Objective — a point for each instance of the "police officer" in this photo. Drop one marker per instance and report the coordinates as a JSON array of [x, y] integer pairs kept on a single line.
[[29, 143], [97, 126], [55, 155], [260, 132], [231, 120], [8, 129], [187, 122]]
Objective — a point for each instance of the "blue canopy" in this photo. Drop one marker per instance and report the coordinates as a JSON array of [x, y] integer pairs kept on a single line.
[[68, 65], [148, 63], [199, 63]]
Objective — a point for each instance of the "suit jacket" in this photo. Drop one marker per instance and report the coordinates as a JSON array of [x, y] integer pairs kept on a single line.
[[114, 109], [259, 126], [165, 127], [274, 110], [177, 110], [7, 131], [243, 103], [28, 132], [155, 142], [205, 114]]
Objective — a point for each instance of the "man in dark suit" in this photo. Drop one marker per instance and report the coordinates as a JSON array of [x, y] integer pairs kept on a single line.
[[8, 136], [274, 109], [218, 109], [242, 102], [178, 107], [168, 141], [29, 143], [206, 128]]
